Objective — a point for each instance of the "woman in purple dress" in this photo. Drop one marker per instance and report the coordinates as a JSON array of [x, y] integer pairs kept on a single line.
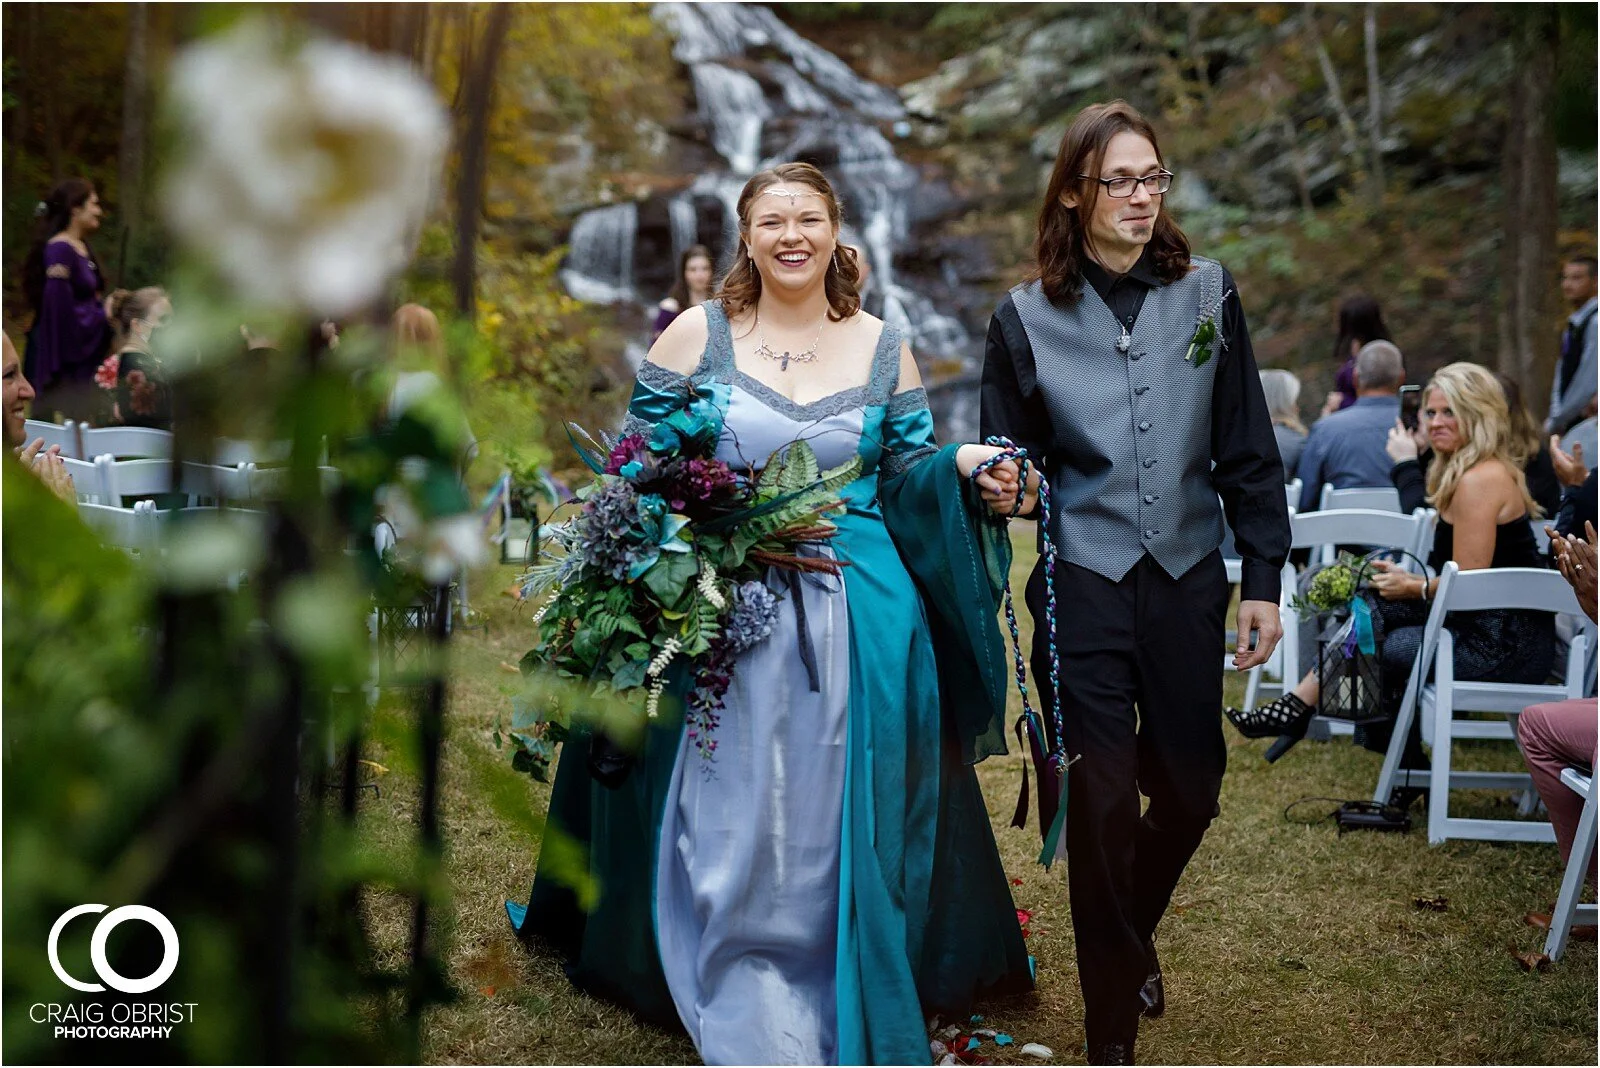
[[62, 282], [1360, 321], [690, 288]]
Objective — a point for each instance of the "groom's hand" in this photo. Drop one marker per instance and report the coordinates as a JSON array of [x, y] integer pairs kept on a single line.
[[1261, 617]]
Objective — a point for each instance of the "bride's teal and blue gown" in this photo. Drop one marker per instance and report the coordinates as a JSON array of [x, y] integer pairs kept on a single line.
[[832, 876]]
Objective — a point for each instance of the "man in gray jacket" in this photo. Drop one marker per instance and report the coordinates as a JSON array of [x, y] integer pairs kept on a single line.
[[1574, 381]]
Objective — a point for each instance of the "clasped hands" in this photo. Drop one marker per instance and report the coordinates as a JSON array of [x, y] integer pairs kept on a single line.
[[998, 485]]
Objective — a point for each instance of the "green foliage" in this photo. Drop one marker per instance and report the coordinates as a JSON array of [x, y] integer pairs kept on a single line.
[[1576, 114]]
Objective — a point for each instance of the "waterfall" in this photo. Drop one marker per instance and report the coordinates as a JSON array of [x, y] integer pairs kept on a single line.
[[765, 95], [600, 267], [734, 107], [685, 228]]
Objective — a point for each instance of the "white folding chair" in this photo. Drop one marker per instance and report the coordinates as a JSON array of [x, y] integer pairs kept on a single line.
[[1292, 491], [231, 452], [1354, 526], [134, 478], [1568, 910], [213, 482], [63, 434], [1377, 498], [88, 481], [1539, 536], [122, 528], [1527, 588], [127, 442]]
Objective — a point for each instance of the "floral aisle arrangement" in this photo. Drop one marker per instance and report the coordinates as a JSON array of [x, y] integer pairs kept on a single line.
[[1347, 662], [662, 570]]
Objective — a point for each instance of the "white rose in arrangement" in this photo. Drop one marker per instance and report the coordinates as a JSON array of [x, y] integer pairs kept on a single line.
[[305, 171]]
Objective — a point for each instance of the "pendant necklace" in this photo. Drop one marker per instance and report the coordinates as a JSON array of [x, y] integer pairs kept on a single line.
[[766, 351], [1124, 342]]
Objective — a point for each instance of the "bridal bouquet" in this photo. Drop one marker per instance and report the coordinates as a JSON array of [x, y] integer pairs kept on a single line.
[[662, 567]]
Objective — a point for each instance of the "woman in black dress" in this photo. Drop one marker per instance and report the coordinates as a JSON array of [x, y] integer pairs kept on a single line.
[[1484, 508]]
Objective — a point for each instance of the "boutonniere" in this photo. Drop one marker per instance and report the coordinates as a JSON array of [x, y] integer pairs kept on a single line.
[[1205, 332]]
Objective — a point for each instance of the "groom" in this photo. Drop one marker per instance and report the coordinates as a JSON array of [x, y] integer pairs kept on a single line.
[[1124, 368]]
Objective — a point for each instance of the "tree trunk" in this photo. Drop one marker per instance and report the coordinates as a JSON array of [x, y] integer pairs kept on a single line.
[[1352, 139], [1271, 93], [1530, 314], [130, 165], [1374, 109], [22, 114], [477, 99], [44, 45]]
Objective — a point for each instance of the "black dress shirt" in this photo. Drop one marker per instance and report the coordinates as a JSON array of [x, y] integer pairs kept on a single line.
[[1248, 472]]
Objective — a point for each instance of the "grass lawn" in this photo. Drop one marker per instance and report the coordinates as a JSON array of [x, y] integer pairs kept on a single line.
[[1286, 943]]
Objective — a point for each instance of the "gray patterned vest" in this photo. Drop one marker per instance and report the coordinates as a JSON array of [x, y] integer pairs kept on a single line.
[[1131, 472]]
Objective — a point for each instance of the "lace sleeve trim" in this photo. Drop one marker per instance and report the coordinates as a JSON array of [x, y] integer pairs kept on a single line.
[[657, 377], [898, 463], [58, 270], [912, 400], [885, 377], [633, 424]]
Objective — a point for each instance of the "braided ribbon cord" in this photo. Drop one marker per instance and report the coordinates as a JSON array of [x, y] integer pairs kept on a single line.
[[1056, 753]]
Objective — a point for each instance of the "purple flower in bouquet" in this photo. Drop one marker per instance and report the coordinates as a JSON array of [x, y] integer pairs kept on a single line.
[[609, 542], [755, 610], [631, 451], [704, 481]]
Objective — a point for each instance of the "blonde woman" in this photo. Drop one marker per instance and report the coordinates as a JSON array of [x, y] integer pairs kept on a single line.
[[1282, 390], [1484, 511]]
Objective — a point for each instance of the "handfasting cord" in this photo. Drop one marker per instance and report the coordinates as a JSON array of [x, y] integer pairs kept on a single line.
[[1009, 450]]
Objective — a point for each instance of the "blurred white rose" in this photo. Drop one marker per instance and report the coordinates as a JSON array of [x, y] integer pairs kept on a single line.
[[450, 545], [305, 172]]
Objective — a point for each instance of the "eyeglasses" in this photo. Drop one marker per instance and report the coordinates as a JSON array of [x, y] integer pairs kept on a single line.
[[1121, 187]]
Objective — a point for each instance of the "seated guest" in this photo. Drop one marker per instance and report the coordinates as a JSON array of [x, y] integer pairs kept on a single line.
[[1581, 440], [1578, 492], [1282, 391], [141, 395], [1545, 481], [418, 340], [1345, 449], [1562, 734], [46, 463], [1484, 513], [1528, 448]]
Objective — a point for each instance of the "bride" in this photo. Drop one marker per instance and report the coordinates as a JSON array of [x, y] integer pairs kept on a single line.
[[832, 878]]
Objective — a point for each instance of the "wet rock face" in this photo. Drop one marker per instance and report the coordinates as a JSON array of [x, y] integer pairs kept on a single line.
[[763, 95]]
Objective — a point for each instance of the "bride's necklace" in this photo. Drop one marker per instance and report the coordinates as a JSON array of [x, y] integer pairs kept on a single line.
[[766, 351]]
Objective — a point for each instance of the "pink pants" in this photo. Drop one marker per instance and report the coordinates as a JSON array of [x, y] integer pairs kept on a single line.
[[1555, 736]]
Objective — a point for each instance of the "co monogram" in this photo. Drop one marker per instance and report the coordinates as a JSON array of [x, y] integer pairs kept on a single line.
[[97, 948]]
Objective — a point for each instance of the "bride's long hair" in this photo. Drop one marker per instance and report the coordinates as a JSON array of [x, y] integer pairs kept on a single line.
[[741, 288]]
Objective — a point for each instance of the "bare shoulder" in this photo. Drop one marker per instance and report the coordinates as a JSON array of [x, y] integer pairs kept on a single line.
[[910, 376], [1491, 476], [683, 341], [1490, 486], [668, 305]]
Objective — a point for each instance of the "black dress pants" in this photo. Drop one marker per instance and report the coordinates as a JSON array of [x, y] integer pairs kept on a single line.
[[1141, 699]]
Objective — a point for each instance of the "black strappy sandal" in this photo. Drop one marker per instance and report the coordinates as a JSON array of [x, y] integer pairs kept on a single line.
[[1286, 716]]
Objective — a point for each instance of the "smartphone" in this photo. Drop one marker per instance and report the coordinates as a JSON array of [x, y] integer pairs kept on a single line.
[[1410, 406]]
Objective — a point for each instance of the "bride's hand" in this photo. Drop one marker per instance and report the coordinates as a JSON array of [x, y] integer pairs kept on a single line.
[[998, 485]]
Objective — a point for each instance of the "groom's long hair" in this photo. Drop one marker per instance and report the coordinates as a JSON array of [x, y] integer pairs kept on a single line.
[[1062, 245]]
